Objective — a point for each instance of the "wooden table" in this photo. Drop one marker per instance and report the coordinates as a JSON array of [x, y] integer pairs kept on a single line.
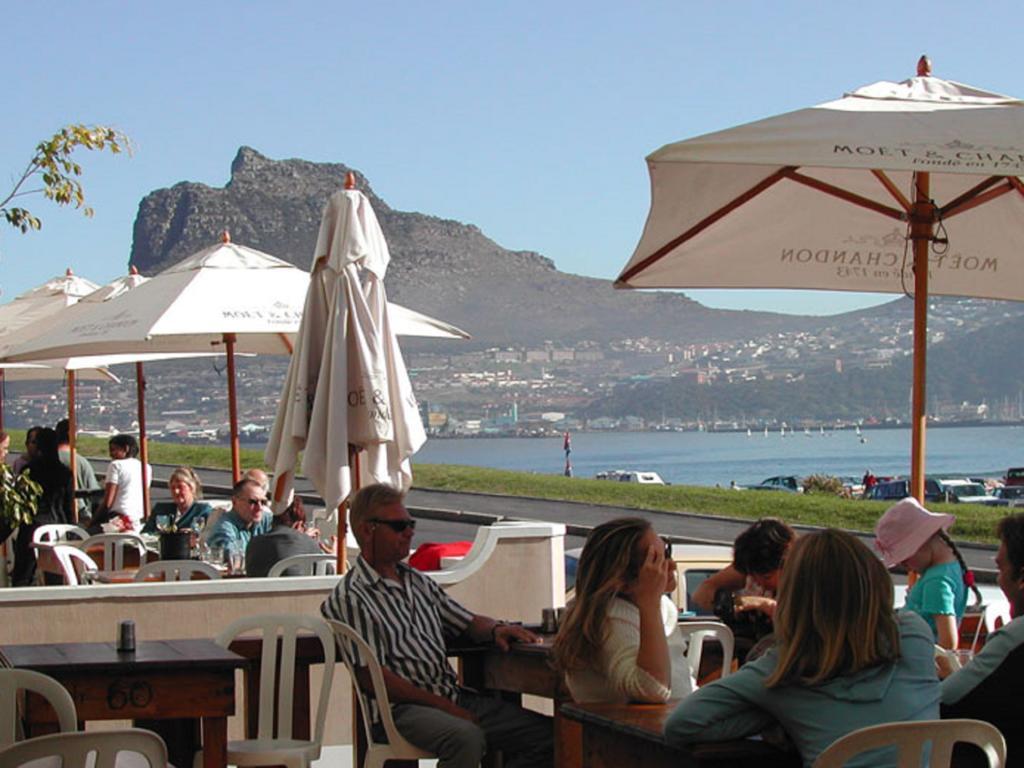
[[162, 680], [623, 735]]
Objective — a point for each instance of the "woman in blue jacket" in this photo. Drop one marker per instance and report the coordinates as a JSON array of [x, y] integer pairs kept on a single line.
[[843, 660]]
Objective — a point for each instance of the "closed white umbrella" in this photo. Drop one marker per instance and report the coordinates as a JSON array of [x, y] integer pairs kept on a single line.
[[897, 187], [347, 390]]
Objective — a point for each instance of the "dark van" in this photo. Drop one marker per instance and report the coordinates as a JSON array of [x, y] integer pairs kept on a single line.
[[894, 490]]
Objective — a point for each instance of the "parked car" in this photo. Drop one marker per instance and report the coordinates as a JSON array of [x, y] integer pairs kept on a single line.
[[964, 491], [630, 476], [1014, 476], [899, 488], [1007, 496], [787, 483]]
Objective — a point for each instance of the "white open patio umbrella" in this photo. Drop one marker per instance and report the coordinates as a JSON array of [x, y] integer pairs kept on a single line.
[[223, 299], [347, 391], [896, 187], [226, 298]]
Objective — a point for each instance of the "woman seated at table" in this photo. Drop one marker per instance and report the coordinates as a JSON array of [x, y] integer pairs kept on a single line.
[[844, 659], [122, 506], [620, 640], [186, 510]]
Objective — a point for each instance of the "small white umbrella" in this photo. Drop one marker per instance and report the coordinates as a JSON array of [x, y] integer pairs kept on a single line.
[[347, 389], [22, 317], [897, 187]]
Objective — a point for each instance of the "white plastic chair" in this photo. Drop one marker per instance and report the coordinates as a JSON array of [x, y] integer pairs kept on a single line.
[[114, 546], [270, 748], [910, 739], [699, 631], [12, 681], [395, 746], [52, 533], [75, 749], [310, 565], [74, 564], [176, 570]]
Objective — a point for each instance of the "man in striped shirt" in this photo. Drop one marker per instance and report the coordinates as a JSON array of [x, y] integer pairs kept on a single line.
[[406, 618]]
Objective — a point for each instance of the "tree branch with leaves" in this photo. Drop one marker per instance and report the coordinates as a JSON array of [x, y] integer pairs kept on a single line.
[[55, 170]]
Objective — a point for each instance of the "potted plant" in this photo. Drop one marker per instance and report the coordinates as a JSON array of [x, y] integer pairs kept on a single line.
[[19, 498]]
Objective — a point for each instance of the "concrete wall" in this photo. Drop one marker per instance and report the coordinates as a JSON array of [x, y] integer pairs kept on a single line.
[[512, 572]]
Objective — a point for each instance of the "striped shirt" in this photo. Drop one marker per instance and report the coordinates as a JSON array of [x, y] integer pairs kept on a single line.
[[405, 623]]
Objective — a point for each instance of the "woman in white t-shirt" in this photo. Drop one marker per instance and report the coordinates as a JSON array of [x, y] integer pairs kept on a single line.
[[122, 507], [620, 641]]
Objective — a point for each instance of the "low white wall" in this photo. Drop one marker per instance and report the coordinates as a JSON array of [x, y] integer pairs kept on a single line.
[[512, 572]]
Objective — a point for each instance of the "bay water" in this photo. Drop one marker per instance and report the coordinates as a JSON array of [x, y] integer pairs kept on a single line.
[[716, 458]]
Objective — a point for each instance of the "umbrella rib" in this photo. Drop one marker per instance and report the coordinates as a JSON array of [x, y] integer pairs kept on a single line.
[[704, 223], [974, 197], [892, 188], [844, 194]]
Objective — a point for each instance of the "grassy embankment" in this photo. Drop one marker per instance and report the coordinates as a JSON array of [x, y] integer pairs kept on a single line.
[[974, 522]]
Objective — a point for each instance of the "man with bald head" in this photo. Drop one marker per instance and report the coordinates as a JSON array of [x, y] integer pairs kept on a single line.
[[236, 527]]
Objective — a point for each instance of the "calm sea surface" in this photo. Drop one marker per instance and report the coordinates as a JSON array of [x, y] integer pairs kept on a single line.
[[703, 458]]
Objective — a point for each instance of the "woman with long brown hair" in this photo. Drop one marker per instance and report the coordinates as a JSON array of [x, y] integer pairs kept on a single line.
[[843, 660], [620, 641]]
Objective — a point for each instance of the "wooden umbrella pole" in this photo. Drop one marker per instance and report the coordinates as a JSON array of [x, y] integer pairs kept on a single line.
[[236, 458], [922, 219], [353, 469], [72, 438], [140, 396]]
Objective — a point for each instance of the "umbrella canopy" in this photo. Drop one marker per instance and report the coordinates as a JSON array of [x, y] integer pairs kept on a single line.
[[20, 320], [347, 385], [903, 187]]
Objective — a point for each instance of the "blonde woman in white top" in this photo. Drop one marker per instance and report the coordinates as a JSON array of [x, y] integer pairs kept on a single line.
[[620, 640]]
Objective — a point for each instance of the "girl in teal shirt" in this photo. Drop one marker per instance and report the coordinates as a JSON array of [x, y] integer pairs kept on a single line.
[[911, 536]]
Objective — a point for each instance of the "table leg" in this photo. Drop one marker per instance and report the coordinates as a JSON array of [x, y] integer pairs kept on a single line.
[[215, 742]]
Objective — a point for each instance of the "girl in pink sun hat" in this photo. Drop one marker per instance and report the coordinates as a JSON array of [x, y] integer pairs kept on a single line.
[[911, 536]]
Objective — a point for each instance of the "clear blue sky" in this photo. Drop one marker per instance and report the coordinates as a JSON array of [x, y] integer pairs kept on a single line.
[[529, 120]]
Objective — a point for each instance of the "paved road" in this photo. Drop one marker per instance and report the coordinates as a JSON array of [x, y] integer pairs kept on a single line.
[[451, 516]]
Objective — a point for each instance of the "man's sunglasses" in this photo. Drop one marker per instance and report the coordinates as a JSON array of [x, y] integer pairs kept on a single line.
[[398, 526], [255, 502]]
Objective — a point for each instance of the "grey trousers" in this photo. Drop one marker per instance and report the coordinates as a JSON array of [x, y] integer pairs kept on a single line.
[[525, 738]]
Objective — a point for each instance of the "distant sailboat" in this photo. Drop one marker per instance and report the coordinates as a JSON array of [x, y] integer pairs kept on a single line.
[[766, 431], [748, 431], [807, 431], [822, 430]]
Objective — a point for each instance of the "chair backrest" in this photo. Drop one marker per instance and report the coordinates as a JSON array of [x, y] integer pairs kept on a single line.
[[699, 631], [910, 739], [360, 658], [309, 565], [12, 681], [73, 563], [219, 508], [114, 546], [284, 627], [51, 533], [74, 749], [177, 570]]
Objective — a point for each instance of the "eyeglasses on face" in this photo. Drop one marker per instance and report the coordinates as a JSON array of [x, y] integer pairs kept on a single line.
[[255, 502], [398, 526], [668, 548]]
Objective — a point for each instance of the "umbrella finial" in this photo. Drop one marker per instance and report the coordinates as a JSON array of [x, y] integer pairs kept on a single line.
[[225, 236], [132, 269], [350, 180], [924, 66], [69, 272]]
